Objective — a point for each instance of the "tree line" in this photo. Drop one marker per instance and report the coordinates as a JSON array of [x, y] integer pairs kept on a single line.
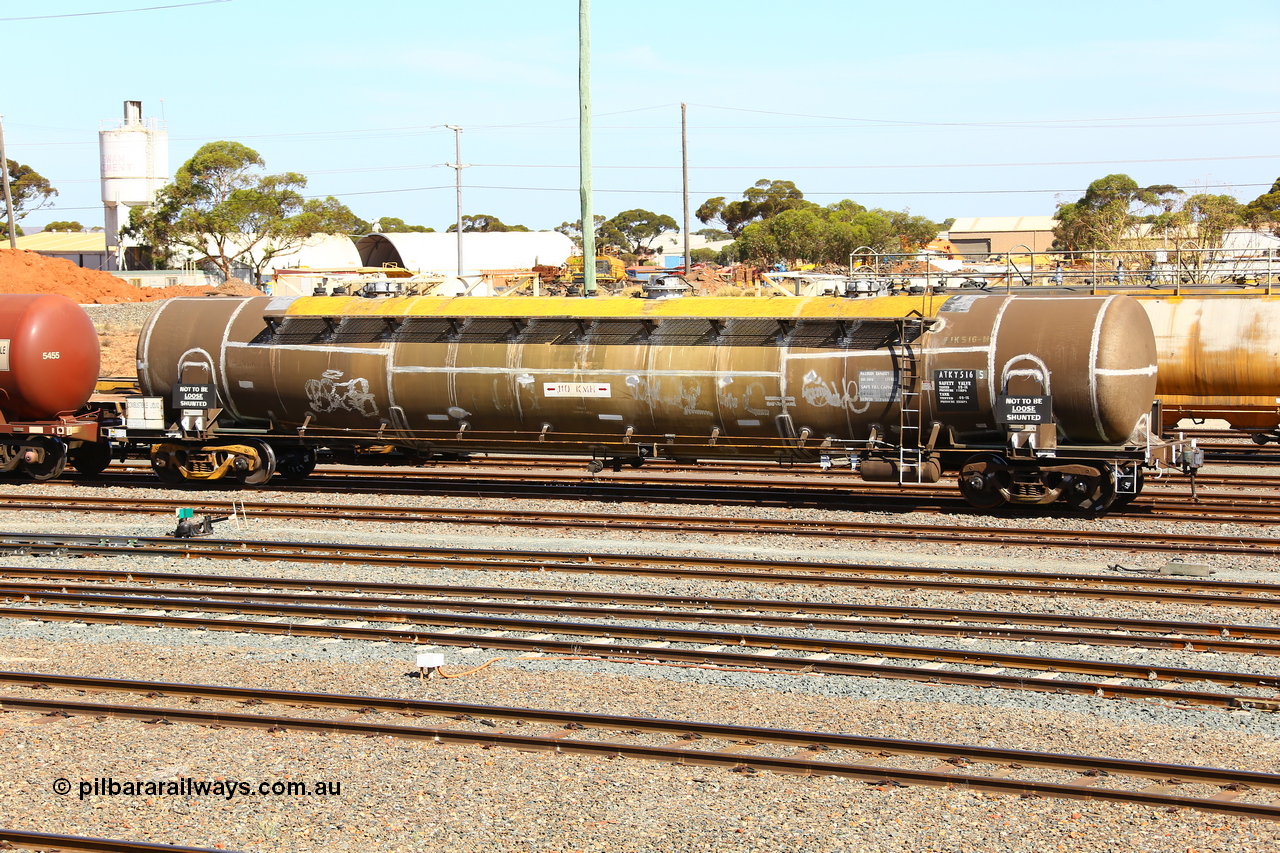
[[223, 208], [1116, 211]]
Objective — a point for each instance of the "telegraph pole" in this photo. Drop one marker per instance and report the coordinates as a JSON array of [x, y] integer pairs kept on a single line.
[[684, 170], [457, 169], [584, 148], [8, 199]]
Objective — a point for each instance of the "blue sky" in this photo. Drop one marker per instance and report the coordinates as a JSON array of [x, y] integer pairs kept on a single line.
[[956, 109]]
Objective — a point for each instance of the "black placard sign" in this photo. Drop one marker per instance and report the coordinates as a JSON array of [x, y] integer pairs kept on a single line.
[[195, 397], [1016, 411], [955, 390]]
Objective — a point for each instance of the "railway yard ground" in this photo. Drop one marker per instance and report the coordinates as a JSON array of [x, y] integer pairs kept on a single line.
[[484, 778]]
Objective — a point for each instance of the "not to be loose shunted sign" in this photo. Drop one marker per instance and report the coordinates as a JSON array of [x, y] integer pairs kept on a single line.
[[194, 397], [1024, 410]]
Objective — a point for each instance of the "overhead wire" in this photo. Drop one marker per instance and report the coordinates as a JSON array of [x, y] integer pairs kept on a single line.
[[115, 11], [868, 123]]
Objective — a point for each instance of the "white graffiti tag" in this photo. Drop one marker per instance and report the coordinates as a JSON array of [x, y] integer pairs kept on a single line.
[[327, 394], [817, 392]]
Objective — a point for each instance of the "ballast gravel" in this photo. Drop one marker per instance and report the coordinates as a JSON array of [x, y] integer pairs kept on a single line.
[[408, 795]]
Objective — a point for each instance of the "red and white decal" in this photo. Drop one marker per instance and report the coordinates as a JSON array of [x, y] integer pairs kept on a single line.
[[576, 389]]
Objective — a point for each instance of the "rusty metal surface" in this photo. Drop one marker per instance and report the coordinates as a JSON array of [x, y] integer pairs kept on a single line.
[[696, 377], [1217, 346]]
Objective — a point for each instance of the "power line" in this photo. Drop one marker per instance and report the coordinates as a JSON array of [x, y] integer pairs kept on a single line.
[[787, 168], [999, 124], [116, 11], [908, 165]]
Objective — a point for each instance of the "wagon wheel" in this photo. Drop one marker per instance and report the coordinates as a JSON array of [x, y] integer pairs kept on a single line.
[[90, 458], [266, 464], [53, 462], [165, 466], [979, 480], [295, 464], [1093, 493]]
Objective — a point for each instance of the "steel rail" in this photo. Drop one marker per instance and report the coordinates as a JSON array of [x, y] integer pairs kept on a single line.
[[1220, 509], [1165, 506], [1164, 496], [765, 477], [480, 595], [540, 642], [1151, 588], [804, 764], [809, 474], [375, 609], [723, 731], [22, 839]]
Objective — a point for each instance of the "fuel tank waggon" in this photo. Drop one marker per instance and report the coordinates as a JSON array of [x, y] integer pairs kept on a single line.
[[48, 356], [1219, 357], [782, 378], [49, 359]]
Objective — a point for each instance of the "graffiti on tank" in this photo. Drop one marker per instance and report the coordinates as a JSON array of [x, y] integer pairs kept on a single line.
[[822, 394], [690, 391], [327, 394]]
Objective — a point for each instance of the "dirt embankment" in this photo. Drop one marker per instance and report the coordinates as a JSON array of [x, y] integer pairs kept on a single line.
[[27, 272]]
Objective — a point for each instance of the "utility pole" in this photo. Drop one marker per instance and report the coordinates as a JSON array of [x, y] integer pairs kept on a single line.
[[8, 199], [458, 166], [584, 148], [684, 171]]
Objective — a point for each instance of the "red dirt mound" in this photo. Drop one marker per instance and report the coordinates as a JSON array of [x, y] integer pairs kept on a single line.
[[27, 272]]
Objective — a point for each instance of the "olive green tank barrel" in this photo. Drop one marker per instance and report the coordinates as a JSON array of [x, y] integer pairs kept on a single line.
[[700, 377]]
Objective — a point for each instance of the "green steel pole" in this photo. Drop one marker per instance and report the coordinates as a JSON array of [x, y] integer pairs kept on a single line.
[[584, 148]]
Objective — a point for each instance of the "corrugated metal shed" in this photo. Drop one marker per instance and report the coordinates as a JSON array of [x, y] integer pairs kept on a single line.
[[320, 250], [978, 236], [64, 241], [86, 249], [986, 224], [438, 252]]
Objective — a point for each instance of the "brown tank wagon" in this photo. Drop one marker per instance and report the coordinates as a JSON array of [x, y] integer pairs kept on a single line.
[[1029, 399]]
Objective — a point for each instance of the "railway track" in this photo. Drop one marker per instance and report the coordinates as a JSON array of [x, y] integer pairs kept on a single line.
[[16, 839], [1164, 502], [861, 619], [650, 522], [744, 749], [1126, 586], [694, 471], [421, 623], [652, 472], [760, 653], [771, 472]]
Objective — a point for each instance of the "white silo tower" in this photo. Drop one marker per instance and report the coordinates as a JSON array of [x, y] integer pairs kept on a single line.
[[135, 166]]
